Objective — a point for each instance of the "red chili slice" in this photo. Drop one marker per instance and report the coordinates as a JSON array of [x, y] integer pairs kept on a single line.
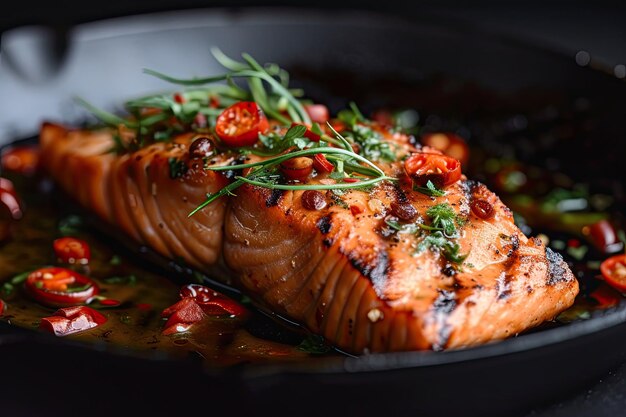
[[321, 164], [72, 251], [212, 302], [185, 311], [606, 296], [60, 287], [8, 198], [614, 271], [317, 112], [178, 97], [240, 124], [71, 320], [441, 170], [2, 307]]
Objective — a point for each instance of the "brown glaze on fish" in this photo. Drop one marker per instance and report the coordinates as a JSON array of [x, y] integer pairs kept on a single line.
[[337, 268]]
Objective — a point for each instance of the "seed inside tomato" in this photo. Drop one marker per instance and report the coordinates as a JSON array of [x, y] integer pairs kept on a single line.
[[240, 124], [440, 169]]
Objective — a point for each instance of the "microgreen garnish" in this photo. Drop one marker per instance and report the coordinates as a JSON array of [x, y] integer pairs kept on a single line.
[[261, 174], [430, 190], [443, 228], [129, 279]]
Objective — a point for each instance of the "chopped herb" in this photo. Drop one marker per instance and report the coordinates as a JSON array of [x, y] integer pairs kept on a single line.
[[77, 288], [178, 168], [438, 242], [7, 289], [314, 344], [577, 253], [70, 225], [430, 190], [115, 260], [339, 201], [443, 219], [130, 280], [402, 228]]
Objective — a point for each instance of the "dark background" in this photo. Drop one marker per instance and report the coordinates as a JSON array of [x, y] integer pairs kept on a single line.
[[598, 28]]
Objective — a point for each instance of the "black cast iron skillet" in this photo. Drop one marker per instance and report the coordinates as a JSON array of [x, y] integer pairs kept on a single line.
[[103, 62]]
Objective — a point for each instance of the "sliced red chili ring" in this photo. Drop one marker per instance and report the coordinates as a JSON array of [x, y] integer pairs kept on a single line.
[[66, 321], [441, 170], [8, 198], [60, 287], [71, 250]]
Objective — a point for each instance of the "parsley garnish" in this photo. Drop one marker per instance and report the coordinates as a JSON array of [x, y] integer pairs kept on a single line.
[[313, 344]]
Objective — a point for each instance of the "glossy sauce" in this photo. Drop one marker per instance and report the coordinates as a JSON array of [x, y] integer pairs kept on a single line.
[[136, 323]]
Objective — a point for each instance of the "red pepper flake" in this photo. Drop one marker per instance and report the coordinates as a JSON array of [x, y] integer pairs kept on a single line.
[[144, 306], [179, 98], [71, 320], [3, 306], [356, 209], [109, 302], [606, 296], [214, 102], [351, 180], [573, 243]]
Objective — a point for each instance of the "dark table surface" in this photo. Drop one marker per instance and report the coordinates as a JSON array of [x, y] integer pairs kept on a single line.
[[597, 29]]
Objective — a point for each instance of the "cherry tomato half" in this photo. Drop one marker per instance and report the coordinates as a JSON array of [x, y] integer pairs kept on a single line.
[[317, 112], [614, 271], [60, 287], [449, 143], [72, 251], [441, 170], [240, 124], [21, 159], [71, 320]]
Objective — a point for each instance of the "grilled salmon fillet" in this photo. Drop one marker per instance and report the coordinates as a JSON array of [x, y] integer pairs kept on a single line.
[[344, 271]]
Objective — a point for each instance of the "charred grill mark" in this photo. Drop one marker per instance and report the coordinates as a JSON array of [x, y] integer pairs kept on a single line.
[[274, 197], [503, 286], [556, 272], [376, 271], [325, 224], [444, 304], [399, 195]]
